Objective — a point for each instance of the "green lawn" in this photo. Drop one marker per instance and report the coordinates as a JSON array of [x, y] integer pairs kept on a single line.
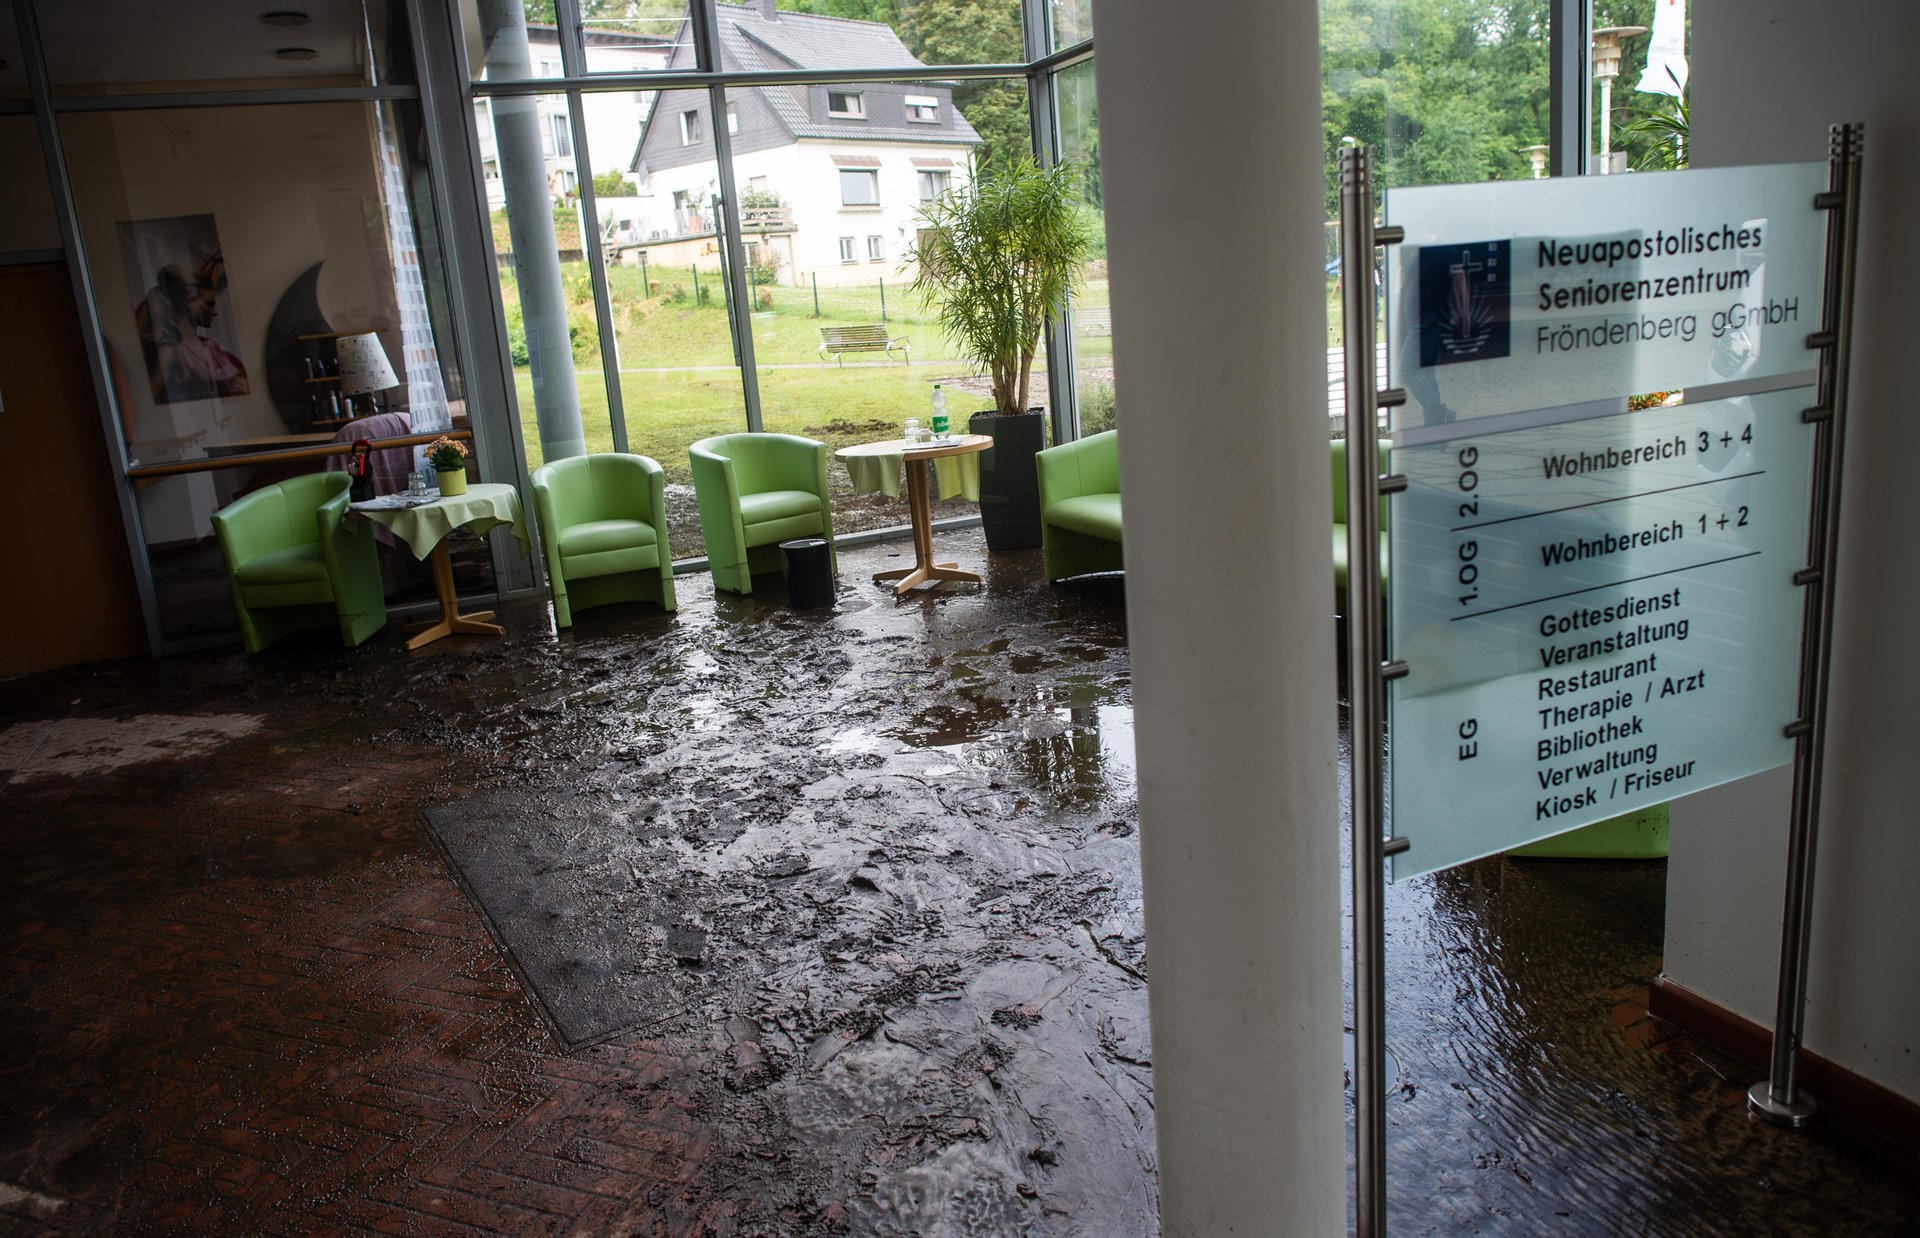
[[682, 320], [668, 410], [665, 339]]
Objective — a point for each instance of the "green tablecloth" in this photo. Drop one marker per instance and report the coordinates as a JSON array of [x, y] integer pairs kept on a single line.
[[483, 506], [876, 467]]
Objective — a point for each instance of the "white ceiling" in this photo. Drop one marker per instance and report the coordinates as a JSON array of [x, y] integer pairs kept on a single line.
[[123, 42]]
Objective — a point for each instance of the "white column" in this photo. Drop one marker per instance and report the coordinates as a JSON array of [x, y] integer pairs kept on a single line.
[[1210, 145]]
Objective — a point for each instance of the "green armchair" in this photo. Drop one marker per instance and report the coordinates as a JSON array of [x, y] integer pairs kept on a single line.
[[297, 564], [1080, 506], [603, 524], [1340, 519], [756, 491]]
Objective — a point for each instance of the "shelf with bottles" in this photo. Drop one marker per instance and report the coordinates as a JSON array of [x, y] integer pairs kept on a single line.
[[330, 407]]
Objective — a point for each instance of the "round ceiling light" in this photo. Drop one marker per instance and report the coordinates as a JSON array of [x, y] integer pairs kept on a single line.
[[296, 53], [285, 17]]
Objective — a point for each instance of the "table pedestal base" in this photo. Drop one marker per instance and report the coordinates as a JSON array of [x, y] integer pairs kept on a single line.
[[924, 569], [451, 621], [913, 577]]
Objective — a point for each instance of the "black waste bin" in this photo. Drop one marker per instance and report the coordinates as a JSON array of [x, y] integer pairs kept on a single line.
[[809, 572]]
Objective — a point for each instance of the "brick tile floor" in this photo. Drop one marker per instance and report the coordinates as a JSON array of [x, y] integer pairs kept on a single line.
[[249, 995]]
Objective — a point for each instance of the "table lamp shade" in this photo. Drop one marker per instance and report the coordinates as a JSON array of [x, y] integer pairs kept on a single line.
[[363, 365]]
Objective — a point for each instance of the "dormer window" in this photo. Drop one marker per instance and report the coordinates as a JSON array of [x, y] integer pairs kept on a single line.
[[689, 128], [923, 108], [849, 103]]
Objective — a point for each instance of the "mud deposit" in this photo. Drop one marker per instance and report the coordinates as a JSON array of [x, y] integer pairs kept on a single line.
[[892, 881], [750, 921]]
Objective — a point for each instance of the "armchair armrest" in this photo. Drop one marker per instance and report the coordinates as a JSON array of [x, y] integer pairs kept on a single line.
[[546, 518], [642, 475], [716, 489], [341, 540]]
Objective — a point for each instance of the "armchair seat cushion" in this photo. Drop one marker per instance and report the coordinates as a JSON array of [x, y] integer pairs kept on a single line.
[[772, 505], [290, 576], [295, 593], [598, 536], [1096, 515], [286, 566]]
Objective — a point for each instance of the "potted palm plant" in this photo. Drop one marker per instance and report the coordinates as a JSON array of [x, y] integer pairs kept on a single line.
[[996, 257]]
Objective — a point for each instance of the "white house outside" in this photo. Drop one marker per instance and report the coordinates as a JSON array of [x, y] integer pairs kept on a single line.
[[614, 118], [831, 179]]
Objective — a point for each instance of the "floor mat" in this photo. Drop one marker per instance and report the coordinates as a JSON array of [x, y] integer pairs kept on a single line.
[[568, 909]]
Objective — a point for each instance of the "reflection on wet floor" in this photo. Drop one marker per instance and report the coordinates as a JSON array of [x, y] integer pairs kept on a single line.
[[765, 921]]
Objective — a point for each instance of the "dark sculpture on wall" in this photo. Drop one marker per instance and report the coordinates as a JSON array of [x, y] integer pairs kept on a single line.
[[287, 354]]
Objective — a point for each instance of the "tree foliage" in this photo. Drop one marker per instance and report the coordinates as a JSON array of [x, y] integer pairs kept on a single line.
[[1455, 90], [640, 15]]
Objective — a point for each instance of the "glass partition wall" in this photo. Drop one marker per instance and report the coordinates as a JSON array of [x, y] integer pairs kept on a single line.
[[245, 192]]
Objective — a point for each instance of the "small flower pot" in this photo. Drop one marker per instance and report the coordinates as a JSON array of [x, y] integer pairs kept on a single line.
[[452, 481]]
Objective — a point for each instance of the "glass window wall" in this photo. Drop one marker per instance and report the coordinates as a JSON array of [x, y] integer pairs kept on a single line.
[[673, 308], [812, 34], [1632, 129], [830, 179], [1071, 21], [546, 291], [1444, 95], [830, 225], [1090, 318]]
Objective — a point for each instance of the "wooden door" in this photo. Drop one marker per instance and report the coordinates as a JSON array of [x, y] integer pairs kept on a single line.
[[70, 595]]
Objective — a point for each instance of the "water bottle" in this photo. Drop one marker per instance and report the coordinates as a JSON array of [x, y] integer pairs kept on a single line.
[[939, 413]]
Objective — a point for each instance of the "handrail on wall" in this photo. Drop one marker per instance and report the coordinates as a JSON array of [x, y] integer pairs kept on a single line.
[[212, 464]]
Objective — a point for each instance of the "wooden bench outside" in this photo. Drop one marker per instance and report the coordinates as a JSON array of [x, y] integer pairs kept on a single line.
[[1092, 320], [836, 342]]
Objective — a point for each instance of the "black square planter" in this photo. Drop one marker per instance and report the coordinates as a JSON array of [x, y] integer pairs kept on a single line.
[[1009, 484]]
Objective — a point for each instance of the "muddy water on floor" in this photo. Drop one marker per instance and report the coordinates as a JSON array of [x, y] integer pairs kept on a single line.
[[877, 861], [876, 867]]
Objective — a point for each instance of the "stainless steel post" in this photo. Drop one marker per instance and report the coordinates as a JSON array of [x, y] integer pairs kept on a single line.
[[1778, 1100], [1366, 693]]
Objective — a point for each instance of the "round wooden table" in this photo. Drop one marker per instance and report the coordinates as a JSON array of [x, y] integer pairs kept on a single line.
[[916, 457], [424, 527]]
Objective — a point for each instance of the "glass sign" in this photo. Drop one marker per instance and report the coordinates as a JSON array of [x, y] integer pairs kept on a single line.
[[1596, 605]]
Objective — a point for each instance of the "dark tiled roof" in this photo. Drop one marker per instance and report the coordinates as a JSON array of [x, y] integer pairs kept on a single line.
[[749, 42]]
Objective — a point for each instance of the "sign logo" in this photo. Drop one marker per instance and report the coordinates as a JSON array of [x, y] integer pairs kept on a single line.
[[1464, 294]]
